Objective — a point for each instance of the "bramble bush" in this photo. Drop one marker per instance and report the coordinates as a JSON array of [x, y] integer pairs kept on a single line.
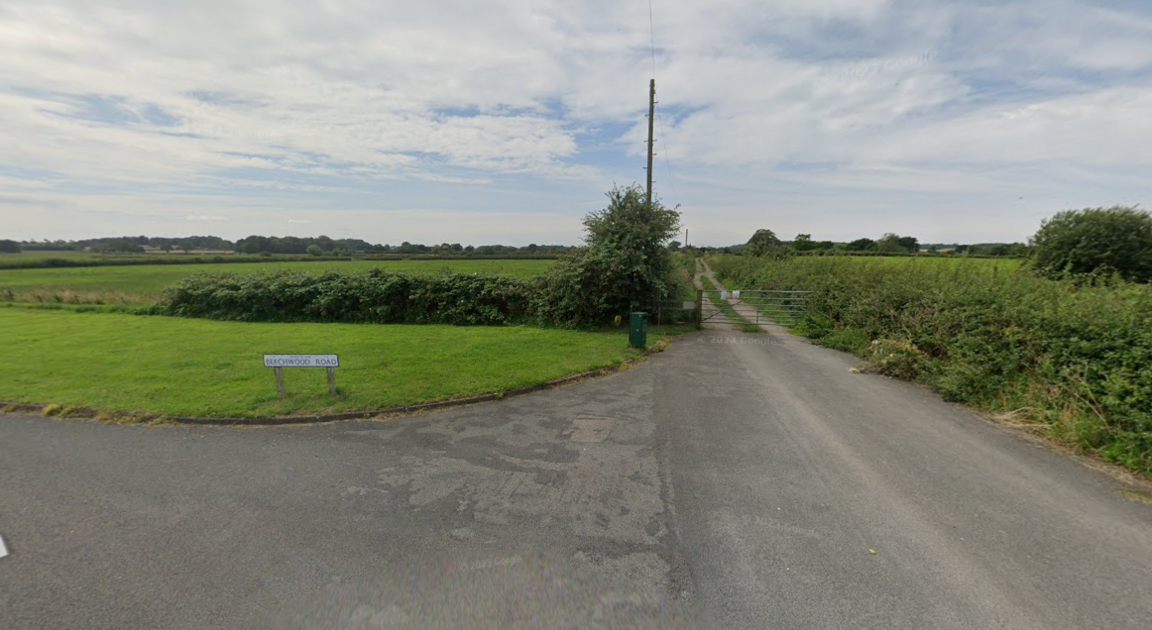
[[1076, 357]]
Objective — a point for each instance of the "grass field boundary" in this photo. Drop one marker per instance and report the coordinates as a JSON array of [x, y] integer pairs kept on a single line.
[[32, 260], [50, 262], [92, 414]]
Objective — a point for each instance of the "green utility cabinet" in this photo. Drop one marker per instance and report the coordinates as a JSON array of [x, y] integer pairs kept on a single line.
[[638, 330]]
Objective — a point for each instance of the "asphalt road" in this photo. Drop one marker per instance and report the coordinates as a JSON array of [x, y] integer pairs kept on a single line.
[[734, 481]]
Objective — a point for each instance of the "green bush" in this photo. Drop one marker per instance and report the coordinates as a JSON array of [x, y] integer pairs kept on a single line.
[[373, 296], [1078, 358], [1095, 241], [626, 265]]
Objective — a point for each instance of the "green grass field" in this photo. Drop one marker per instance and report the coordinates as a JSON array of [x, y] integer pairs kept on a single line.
[[1004, 264], [144, 284], [174, 367], [989, 264]]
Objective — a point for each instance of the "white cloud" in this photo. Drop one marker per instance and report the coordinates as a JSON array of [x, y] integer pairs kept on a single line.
[[206, 219], [158, 113]]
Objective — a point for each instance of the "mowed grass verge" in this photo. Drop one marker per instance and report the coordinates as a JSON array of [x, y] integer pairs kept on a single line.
[[144, 284], [186, 367]]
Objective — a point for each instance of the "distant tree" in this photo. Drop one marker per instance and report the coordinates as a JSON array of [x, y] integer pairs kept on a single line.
[[1091, 240], [187, 247], [890, 242], [124, 246], [315, 250], [862, 245], [674, 246], [354, 245], [166, 247], [895, 243], [9, 247], [803, 243], [761, 242]]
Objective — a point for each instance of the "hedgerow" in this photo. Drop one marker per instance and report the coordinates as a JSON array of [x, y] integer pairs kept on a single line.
[[1076, 357], [374, 296]]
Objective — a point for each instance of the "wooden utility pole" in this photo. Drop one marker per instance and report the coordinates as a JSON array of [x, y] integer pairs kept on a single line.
[[651, 117]]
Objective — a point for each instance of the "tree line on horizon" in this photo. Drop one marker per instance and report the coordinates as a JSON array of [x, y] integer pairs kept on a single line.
[[765, 241], [316, 246], [325, 246]]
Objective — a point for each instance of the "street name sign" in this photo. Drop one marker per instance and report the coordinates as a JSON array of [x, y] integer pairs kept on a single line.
[[301, 360], [281, 361]]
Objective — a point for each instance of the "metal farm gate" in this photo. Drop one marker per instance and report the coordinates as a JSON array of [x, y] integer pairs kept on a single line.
[[783, 308]]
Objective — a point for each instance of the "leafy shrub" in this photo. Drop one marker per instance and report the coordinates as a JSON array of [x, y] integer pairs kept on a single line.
[[1076, 357], [814, 326], [1095, 241], [895, 358], [626, 265], [854, 341]]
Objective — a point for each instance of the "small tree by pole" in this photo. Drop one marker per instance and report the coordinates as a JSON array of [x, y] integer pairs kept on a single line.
[[626, 264]]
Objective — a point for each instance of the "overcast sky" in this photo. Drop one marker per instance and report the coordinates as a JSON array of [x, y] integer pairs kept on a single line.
[[505, 121]]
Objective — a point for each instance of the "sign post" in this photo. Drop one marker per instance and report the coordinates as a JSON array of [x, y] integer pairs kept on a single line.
[[280, 361]]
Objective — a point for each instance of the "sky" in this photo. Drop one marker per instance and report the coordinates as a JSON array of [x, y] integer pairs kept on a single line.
[[506, 121]]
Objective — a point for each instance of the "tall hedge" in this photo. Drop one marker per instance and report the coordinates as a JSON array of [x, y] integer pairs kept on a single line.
[[373, 296], [1077, 358]]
